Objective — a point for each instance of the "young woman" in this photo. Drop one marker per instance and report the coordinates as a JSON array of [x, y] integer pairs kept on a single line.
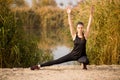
[[79, 51]]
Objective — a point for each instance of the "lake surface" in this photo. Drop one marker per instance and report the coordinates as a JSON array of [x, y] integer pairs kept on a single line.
[[60, 51]]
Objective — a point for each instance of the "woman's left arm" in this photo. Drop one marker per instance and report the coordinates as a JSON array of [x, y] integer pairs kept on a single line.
[[89, 22]]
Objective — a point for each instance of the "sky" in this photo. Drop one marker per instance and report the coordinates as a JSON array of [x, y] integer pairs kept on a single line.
[[65, 2]]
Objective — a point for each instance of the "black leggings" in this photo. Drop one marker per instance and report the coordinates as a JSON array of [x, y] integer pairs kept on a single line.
[[66, 58]]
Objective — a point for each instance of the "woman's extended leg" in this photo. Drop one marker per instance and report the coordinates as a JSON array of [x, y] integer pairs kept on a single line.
[[66, 58]]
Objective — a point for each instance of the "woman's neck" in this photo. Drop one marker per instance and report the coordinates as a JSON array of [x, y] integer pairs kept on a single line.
[[80, 34]]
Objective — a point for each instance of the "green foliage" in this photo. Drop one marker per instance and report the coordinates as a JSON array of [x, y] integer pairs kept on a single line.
[[17, 47]]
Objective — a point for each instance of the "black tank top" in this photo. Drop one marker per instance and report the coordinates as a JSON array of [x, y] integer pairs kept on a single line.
[[79, 49]]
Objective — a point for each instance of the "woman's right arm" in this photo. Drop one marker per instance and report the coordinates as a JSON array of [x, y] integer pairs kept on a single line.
[[73, 34]]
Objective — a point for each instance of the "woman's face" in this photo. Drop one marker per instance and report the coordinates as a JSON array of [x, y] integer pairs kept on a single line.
[[79, 28]]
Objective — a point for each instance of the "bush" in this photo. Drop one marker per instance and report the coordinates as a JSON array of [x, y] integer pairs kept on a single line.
[[17, 47]]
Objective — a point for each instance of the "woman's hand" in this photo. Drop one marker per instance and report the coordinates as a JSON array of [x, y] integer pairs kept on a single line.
[[92, 10], [68, 10]]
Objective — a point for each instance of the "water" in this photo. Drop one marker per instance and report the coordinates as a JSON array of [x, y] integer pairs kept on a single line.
[[60, 51]]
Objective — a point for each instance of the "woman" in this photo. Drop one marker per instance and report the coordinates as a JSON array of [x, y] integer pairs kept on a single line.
[[79, 51]]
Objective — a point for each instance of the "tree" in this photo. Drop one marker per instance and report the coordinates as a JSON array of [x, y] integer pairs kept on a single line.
[[42, 3], [19, 3]]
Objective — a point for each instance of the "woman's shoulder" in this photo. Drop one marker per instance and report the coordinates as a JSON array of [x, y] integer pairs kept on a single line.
[[74, 37]]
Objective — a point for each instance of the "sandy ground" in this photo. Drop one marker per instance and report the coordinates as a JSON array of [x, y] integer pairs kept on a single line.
[[63, 72]]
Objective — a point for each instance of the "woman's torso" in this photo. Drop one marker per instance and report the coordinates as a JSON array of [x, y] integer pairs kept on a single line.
[[79, 49]]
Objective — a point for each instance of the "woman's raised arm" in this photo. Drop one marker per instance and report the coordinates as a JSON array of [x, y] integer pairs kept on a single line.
[[89, 22], [72, 31]]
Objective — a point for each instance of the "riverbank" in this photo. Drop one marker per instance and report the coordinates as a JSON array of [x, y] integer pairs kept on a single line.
[[63, 72]]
